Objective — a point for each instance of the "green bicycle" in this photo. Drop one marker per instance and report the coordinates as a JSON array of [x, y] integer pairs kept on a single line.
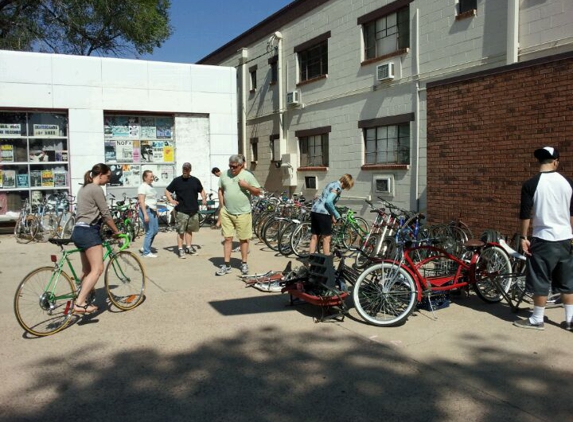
[[44, 300]]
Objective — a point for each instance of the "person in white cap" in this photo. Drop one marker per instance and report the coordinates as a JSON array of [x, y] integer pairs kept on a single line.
[[187, 188], [546, 205]]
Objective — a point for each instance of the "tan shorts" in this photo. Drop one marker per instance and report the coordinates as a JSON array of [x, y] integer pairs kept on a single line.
[[186, 224], [242, 224]]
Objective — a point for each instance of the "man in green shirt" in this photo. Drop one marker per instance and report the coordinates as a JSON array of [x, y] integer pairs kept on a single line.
[[236, 186]]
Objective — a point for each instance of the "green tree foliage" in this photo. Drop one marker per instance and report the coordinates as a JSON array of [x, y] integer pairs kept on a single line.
[[84, 27]]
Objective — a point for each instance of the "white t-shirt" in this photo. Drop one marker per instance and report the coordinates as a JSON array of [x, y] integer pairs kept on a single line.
[[150, 195]]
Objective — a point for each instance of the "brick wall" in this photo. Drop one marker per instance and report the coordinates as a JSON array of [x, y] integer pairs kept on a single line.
[[481, 136]]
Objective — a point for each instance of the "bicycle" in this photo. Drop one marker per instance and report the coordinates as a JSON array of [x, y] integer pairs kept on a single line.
[[386, 293], [44, 300], [27, 226]]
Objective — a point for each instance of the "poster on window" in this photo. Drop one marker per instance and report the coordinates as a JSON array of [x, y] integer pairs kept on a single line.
[[133, 127], [117, 126], [158, 151], [168, 152], [164, 127], [36, 178], [9, 179], [7, 152], [10, 129], [148, 129], [136, 152], [22, 180], [116, 178], [110, 154], [124, 151], [146, 151], [47, 179], [47, 130], [60, 179]]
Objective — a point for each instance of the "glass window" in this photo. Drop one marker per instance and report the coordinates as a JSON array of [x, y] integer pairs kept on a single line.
[[467, 5], [387, 144], [314, 150], [313, 62], [387, 34], [253, 74], [274, 73]]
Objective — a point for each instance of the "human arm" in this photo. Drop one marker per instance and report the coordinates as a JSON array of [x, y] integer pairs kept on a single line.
[[204, 197], [331, 199], [523, 240], [142, 207], [253, 190], [101, 204], [170, 198]]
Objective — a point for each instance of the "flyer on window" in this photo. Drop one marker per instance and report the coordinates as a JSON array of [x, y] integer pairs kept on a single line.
[[110, 154], [136, 152], [116, 178], [11, 129], [60, 179], [7, 152], [164, 126], [146, 151], [9, 179], [47, 178], [148, 129], [22, 180], [35, 178]]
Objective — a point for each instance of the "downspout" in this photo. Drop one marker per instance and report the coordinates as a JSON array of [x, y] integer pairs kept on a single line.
[[280, 87], [416, 77], [243, 58], [512, 31]]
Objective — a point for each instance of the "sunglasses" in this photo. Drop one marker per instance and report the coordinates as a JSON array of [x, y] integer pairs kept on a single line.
[[234, 166]]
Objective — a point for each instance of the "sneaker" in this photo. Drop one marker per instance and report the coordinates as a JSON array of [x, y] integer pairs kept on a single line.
[[150, 255], [525, 323], [191, 250], [244, 269], [141, 251], [568, 325], [225, 269], [182, 254]]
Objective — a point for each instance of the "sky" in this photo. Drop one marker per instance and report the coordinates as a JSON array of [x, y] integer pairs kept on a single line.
[[200, 27]]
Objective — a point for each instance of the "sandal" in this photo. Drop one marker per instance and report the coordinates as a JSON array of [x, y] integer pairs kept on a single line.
[[84, 309]]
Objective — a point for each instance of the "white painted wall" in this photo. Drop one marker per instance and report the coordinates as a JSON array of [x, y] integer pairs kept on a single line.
[[202, 98]]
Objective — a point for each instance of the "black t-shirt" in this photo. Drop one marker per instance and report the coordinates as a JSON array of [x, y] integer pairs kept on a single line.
[[187, 191]]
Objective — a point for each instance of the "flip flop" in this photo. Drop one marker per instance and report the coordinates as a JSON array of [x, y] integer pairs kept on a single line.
[[84, 309]]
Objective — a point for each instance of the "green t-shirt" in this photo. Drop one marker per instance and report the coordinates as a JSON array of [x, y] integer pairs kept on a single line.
[[237, 200]]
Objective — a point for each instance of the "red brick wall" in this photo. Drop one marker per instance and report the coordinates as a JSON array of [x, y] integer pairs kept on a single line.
[[481, 137]]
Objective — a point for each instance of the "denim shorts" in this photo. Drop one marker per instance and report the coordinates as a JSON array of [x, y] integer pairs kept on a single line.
[[86, 237]]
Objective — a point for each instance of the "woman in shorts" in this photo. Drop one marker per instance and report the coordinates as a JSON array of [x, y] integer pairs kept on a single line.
[[324, 213], [91, 212]]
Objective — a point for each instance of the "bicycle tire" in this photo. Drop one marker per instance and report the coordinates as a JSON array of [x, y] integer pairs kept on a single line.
[[270, 233], [125, 280], [367, 252], [300, 240], [43, 313], [352, 235], [492, 260], [385, 294], [285, 236], [68, 227], [26, 229]]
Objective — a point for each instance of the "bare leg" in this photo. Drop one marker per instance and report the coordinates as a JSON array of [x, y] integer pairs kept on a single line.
[[94, 257], [180, 240], [227, 247], [188, 239], [244, 249], [326, 244], [567, 298], [313, 243]]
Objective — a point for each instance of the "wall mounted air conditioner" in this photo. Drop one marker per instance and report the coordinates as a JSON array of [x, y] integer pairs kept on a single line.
[[293, 98], [310, 182], [385, 72]]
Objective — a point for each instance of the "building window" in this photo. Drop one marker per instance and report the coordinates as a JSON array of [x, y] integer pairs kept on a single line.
[[275, 148], [253, 78], [387, 144], [273, 63], [254, 149], [314, 150], [467, 6], [313, 58], [387, 34]]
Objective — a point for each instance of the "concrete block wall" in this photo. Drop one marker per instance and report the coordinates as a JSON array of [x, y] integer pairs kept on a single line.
[[481, 137]]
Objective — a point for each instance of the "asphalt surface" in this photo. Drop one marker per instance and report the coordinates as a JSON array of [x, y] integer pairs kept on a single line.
[[206, 348]]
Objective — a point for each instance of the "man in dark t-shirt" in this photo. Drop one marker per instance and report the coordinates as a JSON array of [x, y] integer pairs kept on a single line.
[[547, 206], [186, 188]]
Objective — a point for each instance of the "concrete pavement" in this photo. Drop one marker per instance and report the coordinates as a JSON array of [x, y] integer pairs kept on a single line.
[[205, 348]]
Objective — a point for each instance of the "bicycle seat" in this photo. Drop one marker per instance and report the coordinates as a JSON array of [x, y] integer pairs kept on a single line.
[[510, 251], [474, 244], [59, 242]]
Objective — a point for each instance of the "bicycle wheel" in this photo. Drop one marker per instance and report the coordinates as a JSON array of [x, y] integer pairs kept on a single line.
[[385, 294], [125, 280], [285, 235], [44, 302], [300, 240], [367, 252], [270, 233], [26, 229], [69, 227], [353, 235], [48, 226], [492, 261]]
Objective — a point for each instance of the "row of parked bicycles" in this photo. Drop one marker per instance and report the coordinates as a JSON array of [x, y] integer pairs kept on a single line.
[[54, 217], [397, 263]]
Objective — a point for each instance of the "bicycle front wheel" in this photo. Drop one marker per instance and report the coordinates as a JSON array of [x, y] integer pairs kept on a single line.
[[353, 235], [385, 294], [44, 301], [125, 280], [300, 240], [492, 262]]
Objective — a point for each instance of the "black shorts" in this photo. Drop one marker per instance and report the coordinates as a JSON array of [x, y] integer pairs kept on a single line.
[[320, 224], [550, 264], [86, 237]]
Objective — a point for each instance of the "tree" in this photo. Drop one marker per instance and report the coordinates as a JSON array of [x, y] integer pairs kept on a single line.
[[84, 27]]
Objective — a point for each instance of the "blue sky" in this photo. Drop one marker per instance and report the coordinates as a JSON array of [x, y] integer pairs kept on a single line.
[[200, 27]]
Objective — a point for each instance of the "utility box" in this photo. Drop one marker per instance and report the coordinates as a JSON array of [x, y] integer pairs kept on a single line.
[[288, 170]]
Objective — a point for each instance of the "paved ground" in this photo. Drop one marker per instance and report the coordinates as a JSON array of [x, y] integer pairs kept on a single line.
[[205, 348]]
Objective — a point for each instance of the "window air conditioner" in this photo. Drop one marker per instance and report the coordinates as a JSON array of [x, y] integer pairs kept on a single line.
[[293, 98], [385, 72]]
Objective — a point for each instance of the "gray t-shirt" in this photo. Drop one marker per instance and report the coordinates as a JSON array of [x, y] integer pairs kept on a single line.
[[92, 206]]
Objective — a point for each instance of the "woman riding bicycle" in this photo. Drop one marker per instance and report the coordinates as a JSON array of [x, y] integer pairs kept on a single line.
[[324, 214], [92, 211]]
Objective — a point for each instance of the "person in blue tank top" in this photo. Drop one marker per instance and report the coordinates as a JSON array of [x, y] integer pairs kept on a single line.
[[323, 213]]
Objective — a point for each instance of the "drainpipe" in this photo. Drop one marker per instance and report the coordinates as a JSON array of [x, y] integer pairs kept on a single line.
[[512, 31], [416, 77], [279, 37], [243, 58]]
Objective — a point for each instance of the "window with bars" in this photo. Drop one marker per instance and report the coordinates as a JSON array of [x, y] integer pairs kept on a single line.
[[254, 149], [313, 62], [314, 150], [387, 34], [387, 144]]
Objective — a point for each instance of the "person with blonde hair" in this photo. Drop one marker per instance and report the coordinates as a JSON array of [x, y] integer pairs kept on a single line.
[[92, 211], [323, 213]]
